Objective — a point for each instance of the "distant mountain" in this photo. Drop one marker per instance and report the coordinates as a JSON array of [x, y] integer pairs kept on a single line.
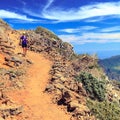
[[112, 67]]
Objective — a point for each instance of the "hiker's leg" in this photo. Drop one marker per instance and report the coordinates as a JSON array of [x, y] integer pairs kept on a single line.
[[25, 50], [24, 46]]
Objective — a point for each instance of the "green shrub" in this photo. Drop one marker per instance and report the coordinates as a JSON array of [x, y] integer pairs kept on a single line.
[[39, 30], [44, 31], [95, 88], [91, 66], [104, 110]]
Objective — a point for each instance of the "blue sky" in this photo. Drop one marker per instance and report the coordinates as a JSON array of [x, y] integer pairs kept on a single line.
[[91, 26]]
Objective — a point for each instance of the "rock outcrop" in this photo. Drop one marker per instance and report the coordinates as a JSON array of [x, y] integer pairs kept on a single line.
[[67, 91], [40, 42]]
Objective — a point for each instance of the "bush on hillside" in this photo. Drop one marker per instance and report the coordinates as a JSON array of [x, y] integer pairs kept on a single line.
[[44, 31], [95, 88], [104, 110]]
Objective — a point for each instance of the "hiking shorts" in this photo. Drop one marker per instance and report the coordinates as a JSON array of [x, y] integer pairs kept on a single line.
[[24, 45]]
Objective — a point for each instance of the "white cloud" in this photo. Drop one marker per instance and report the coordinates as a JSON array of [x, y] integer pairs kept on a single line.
[[70, 30], [90, 13], [31, 13], [38, 11], [22, 3], [84, 12], [111, 29], [13, 15], [91, 38], [48, 5], [77, 30], [97, 19], [69, 38]]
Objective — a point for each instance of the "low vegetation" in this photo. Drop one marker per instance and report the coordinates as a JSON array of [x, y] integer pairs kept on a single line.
[[105, 110], [42, 31], [95, 88]]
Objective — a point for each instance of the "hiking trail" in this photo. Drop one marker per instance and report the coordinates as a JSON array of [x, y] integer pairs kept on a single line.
[[37, 104]]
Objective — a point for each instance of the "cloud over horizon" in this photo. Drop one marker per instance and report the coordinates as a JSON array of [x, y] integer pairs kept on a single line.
[[84, 12], [13, 15], [91, 38], [78, 30]]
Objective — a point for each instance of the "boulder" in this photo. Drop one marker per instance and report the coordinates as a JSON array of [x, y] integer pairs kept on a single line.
[[10, 110]]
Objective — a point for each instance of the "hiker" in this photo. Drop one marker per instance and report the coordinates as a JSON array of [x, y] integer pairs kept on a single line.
[[24, 43]]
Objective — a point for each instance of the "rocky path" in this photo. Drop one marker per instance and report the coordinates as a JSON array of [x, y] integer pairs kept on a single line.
[[37, 104]]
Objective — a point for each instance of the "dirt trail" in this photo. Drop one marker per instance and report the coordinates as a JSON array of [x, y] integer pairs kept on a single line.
[[37, 104]]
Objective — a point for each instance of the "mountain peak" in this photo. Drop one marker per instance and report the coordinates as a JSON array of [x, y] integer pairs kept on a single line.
[[4, 26]]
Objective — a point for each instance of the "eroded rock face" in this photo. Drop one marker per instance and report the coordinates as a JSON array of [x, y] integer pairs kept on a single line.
[[43, 42], [68, 92], [6, 45], [7, 111], [11, 71], [7, 107], [5, 42]]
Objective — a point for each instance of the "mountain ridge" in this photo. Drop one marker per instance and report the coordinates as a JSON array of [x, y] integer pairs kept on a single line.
[[76, 83], [111, 67]]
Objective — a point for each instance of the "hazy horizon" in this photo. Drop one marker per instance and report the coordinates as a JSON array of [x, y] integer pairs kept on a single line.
[[102, 54]]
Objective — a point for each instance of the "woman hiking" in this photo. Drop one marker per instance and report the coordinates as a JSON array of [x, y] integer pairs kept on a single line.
[[24, 43]]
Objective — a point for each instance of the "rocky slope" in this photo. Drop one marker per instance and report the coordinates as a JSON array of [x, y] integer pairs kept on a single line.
[[76, 82]]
